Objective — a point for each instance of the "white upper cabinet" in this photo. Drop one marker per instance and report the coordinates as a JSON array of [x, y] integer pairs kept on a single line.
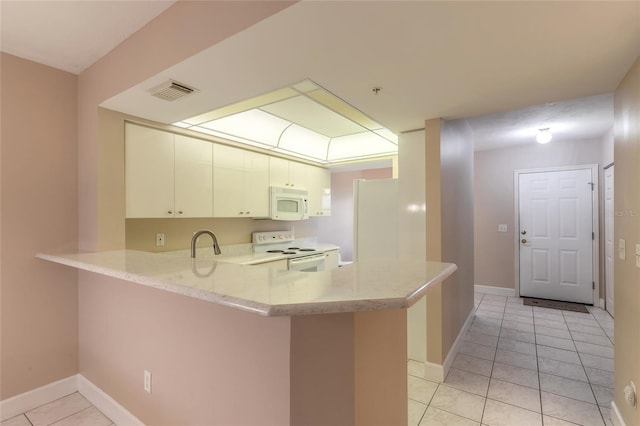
[[256, 184], [167, 175], [285, 173], [240, 183], [172, 175], [193, 177], [149, 168], [319, 187]]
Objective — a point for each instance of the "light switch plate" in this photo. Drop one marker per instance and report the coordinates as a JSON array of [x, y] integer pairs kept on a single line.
[[502, 227], [622, 252]]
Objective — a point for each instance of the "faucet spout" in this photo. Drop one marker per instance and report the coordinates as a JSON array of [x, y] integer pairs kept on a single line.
[[194, 239]]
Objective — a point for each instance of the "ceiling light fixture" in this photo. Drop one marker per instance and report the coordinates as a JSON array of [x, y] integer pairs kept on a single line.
[[544, 136]]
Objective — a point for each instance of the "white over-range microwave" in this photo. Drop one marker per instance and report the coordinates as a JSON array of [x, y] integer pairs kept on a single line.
[[288, 203]]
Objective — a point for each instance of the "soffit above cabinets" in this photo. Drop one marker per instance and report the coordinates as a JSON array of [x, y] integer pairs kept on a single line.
[[302, 120]]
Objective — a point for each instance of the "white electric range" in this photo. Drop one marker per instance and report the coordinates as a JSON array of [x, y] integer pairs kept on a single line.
[[300, 254]]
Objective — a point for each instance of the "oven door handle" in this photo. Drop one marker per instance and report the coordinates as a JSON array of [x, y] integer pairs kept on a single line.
[[306, 259]]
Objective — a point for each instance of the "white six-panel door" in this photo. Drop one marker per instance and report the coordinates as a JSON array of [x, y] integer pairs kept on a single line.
[[556, 225]]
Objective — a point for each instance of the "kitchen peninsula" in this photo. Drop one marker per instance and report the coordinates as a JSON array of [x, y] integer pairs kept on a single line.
[[324, 348]]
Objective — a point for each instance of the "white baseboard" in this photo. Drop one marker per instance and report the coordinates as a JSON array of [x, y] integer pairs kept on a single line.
[[437, 372], [616, 417], [24, 402], [498, 291], [107, 405], [601, 303]]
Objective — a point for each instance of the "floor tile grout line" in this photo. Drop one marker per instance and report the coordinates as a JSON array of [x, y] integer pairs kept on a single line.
[[73, 414], [604, 421], [535, 338]]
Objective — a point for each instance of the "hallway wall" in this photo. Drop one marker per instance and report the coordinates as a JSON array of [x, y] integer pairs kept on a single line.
[[493, 194]]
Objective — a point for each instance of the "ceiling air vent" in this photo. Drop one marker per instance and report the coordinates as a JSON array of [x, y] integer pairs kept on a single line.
[[171, 90]]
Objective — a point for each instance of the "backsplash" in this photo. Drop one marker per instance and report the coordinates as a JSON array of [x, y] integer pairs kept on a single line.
[[141, 233]]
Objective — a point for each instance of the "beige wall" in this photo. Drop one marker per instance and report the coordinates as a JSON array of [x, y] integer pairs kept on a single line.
[[39, 306], [204, 372], [338, 229], [456, 156], [448, 198], [493, 195], [627, 226]]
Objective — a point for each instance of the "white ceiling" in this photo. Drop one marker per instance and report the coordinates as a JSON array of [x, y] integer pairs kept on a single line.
[[432, 59], [578, 119], [71, 35]]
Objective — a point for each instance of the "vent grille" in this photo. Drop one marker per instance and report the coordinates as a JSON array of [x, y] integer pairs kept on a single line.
[[171, 90]]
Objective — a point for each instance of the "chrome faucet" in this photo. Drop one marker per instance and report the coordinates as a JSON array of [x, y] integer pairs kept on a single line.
[[216, 247]]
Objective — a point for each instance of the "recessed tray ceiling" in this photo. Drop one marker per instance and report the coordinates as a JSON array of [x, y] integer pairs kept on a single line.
[[302, 120]]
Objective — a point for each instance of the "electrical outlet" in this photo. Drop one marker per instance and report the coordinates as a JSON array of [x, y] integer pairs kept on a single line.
[[147, 381], [502, 227], [622, 251], [630, 395], [159, 239]]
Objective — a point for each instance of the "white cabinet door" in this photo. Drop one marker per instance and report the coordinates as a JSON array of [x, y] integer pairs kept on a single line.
[[278, 172], [256, 184], [285, 173], [319, 187], [149, 172], [240, 183], [297, 175], [228, 181], [193, 177]]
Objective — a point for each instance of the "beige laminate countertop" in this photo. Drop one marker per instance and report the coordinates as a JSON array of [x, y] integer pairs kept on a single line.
[[360, 286]]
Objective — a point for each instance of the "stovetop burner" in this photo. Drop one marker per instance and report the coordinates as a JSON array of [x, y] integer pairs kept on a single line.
[[288, 252], [307, 249], [293, 248], [275, 251]]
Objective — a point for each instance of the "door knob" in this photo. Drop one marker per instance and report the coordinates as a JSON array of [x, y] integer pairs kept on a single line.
[[524, 232], [523, 241]]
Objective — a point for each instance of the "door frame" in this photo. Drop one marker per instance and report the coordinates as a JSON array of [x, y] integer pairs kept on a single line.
[[595, 226], [604, 237]]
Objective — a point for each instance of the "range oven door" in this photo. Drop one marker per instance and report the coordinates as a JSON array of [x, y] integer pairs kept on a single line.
[[311, 263]]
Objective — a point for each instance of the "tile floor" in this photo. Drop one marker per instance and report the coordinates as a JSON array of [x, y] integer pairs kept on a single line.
[[71, 410], [522, 365]]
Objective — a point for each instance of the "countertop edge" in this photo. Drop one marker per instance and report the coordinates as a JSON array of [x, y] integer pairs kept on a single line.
[[207, 296], [268, 310], [421, 291]]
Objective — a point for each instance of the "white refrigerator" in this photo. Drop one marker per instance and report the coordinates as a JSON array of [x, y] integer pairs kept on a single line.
[[375, 218], [376, 205]]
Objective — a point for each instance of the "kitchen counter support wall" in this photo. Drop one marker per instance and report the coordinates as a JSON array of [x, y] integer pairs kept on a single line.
[[216, 365]]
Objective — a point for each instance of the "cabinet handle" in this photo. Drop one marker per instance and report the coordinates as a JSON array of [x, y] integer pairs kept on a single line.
[[179, 211], [247, 212], [170, 212], [241, 213]]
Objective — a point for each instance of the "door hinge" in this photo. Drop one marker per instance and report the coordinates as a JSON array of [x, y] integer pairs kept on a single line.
[[593, 235], [593, 285]]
